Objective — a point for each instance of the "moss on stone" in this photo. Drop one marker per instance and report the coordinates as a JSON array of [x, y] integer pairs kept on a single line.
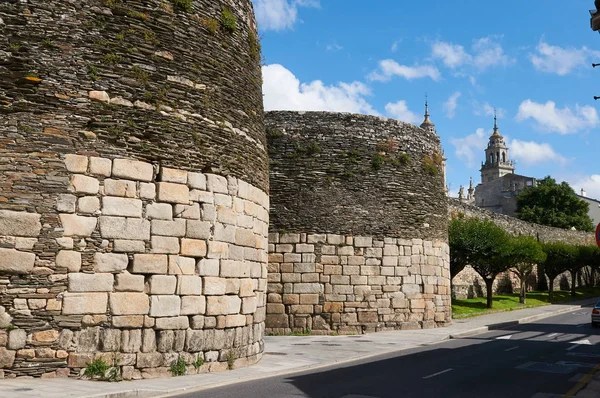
[[228, 21]]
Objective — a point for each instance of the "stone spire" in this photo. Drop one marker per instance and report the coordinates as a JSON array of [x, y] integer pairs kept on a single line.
[[471, 190], [497, 162], [496, 132], [427, 124]]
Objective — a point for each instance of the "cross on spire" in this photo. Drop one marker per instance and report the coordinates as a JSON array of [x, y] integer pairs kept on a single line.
[[426, 106], [495, 122]]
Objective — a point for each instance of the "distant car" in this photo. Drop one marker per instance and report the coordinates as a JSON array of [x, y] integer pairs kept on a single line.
[[596, 315]]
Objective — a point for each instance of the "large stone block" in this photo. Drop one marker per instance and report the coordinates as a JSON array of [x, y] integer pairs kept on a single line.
[[69, 259], [198, 229], [173, 175], [162, 284], [165, 305], [110, 262], [234, 304], [74, 225], [149, 360], [132, 170], [100, 166], [214, 286], [76, 163], [189, 285], [165, 244], [84, 303], [88, 205], [234, 269], [124, 228], [193, 305], [159, 211], [66, 203], [193, 247], [126, 282], [174, 323], [169, 228], [129, 303], [84, 184], [121, 188], [19, 223], [217, 305], [181, 265], [124, 207], [150, 264], [232, 321], [79, 282], [7, 358], [216, 183], [197, 181], [16, 262], [173, 193]]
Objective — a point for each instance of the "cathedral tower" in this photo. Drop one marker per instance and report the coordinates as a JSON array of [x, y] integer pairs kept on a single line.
[[497, 163]]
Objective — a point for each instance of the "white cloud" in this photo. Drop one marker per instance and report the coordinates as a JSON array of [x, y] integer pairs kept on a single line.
[[452, 55], [279, 14], [395, 45], [334, 47], [471, 148], [562, 121], [451, 105], [532, 153], [558, 60], [485, 52], [591, 185], [389, 68], [486, 109], [399, 110], [283, 91]]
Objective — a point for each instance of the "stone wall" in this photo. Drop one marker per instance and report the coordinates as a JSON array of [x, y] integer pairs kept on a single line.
[[358, 234], [133, 204], [469, 284]]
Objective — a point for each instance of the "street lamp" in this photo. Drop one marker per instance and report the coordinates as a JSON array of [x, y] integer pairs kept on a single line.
[[595, 16]]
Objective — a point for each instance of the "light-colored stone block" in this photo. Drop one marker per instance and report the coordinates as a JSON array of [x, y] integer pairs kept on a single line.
[[71, 260], [173, 175], [245, 237], [234, 269], [120, 188], [216, 183], [165, 244], [198, 229], [173, 193], [76, 163], [179, 265], [17, 339], [175, 323], [65, 243], [197, 195], [165, 305], [20, 223], [84, 184], [65, 203], [129, 303], [249, 305], [25, 243], [197, 181], [129, 246], [16, 262], [147, 190], [214, 286], [126, 282], [110, 262], [232, 321], [193, 305], [246, 288], [124, 207], [193, 247], [74, 225], [189, 285], [218, 250], [132, 170], [150, 264], [84, 303], [162, 284], [124, 228], [208, 267], [159, 211], [88, 204], [100, 166], [79, 282], [217, 305], [191, 212], [169, 228], [234, 304]]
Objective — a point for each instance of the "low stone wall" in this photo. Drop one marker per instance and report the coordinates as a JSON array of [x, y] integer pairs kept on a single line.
[[469, 284], [149, 264], [356, 284]]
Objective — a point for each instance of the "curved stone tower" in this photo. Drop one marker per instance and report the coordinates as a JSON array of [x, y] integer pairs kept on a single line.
[[133, 186], [359, 235]]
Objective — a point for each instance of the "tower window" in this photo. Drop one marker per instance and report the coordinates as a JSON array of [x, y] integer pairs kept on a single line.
[[503, 157]]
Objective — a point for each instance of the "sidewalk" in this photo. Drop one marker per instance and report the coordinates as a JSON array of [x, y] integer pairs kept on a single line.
[[283, 355]]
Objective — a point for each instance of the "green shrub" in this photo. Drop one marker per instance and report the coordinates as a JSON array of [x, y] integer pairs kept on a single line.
[[96, 369], [230, 360], [184, 5], [178, 367], [198, 362], [228, 21], [377, 161]]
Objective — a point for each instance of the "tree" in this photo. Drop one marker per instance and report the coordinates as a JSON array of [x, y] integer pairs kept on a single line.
[[559, 256], [556, 205], [523, 253], [587, 256], [481, 244]]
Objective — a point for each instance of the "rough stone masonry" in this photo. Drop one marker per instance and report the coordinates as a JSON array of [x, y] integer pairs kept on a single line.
[[133, 186], [359, 225]]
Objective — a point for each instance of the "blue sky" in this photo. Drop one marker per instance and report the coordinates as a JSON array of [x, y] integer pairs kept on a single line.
[[530, 59]]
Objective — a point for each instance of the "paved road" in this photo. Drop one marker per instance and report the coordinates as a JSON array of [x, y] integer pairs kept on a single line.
[[535, 360]]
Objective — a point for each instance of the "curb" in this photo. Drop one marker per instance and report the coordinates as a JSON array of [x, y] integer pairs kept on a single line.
[[504, 325]]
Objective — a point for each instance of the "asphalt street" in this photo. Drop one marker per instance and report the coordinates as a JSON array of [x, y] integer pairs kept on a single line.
[[543, 359]]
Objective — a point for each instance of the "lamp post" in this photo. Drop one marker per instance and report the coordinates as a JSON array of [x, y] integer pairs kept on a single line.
[[595, 16]]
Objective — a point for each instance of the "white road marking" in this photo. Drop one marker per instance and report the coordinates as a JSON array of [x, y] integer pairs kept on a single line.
[[581, 342], [553, 334], [580, 326], [504, 337], [511, 348], [438, 373]]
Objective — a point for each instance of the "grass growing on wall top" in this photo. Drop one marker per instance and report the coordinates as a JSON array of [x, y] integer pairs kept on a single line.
[[510, 302]]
